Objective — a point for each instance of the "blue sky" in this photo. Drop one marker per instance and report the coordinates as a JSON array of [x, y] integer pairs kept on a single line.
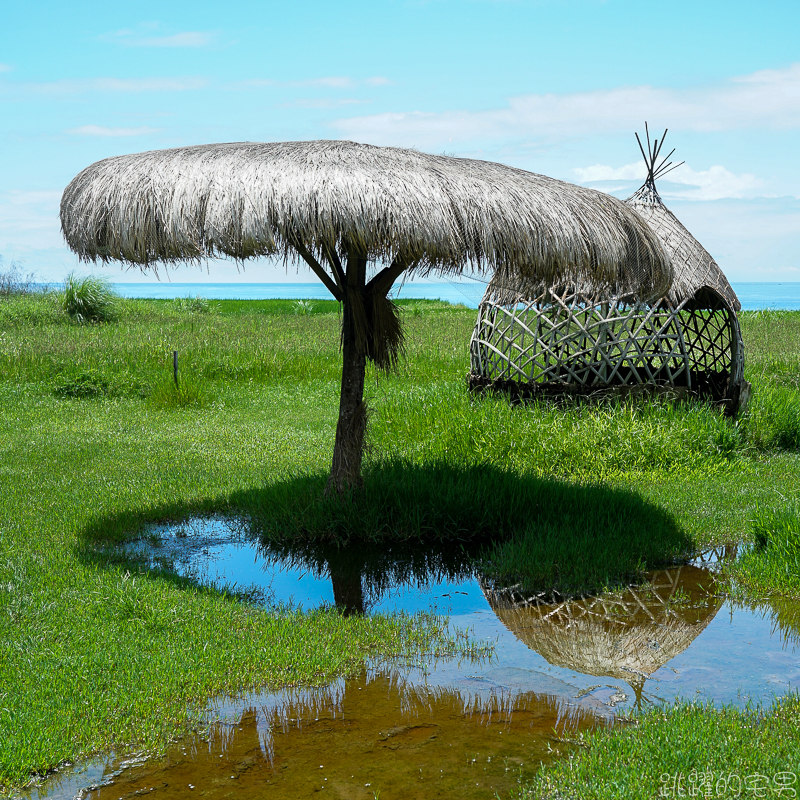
[[553, 86]]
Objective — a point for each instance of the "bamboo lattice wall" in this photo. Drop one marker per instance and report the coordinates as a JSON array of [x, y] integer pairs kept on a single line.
[[533, 339]]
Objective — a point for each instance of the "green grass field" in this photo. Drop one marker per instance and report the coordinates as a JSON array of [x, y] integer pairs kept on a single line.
[[95, 440]]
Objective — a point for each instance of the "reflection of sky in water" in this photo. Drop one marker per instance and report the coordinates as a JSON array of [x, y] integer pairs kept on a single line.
[[738, 655]]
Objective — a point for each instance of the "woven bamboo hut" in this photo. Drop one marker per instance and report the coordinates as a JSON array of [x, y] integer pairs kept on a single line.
[[625, 635], [578, 337], [359, 216]]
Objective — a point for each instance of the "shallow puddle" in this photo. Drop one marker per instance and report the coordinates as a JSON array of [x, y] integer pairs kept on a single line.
[[374, 735], [454, 728]]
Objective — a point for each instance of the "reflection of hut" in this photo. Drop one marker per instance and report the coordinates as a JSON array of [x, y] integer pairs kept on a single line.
[[626, 635], [535, 338]]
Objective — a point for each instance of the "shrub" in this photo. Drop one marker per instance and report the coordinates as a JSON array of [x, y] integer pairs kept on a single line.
[[303, 308], [91, 384], [85, 385], [89, 298], [193, 305]]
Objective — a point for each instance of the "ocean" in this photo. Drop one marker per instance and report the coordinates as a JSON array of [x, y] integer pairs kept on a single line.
[[753, 296]]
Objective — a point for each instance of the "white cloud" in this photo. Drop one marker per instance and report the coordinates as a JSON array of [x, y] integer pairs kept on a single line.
[[332, 82], [329, 82], [145, 37], [30, 219], [770, 98], [99, 130], [602, 172], [116, 85], [715, 183], [185, 39], [752, 240], [5, 67], [340, 82], [321, 102]]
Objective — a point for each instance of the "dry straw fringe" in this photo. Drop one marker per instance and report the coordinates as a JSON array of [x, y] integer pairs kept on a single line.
[[435, 213]]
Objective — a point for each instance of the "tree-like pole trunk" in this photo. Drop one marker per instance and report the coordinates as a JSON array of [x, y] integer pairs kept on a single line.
[[348, 448]]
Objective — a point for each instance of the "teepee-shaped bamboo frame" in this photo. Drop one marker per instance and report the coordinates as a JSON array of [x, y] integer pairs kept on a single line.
[[537, 339]]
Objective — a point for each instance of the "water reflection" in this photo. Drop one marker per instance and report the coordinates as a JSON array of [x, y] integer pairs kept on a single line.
[[785, 615], [449, 728], [373, 735], [362, 575], [626, 635]]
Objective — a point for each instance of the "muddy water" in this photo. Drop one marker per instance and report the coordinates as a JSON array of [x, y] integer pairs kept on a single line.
[[365, 737], [452, 728]]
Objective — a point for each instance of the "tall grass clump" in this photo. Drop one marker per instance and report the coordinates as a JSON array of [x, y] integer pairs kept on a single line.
[[303, 308], [189, 391], [773, 419], [772, 563], [89, 298], [193, 305], [14, 282]]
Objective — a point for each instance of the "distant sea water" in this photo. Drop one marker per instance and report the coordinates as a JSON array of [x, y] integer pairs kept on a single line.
[[753, 296]]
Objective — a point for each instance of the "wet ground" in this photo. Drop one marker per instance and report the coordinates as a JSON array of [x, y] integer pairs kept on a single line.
[[453, 728]]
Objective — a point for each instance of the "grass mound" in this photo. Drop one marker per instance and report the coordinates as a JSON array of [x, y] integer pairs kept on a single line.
[[546, 534]]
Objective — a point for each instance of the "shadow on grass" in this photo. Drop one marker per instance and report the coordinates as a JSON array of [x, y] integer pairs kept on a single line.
[[441, 520]]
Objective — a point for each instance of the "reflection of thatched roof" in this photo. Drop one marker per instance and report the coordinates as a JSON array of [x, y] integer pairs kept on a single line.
[[251, 199], [620, 635]]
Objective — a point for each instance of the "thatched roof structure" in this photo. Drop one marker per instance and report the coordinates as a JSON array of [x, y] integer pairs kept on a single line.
[[698, 281], [429, 212], [340, 206], [626, 635]]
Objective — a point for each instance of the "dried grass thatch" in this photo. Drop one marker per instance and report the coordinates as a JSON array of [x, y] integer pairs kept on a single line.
[[391, 205], [698, 278], [532, 337]]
